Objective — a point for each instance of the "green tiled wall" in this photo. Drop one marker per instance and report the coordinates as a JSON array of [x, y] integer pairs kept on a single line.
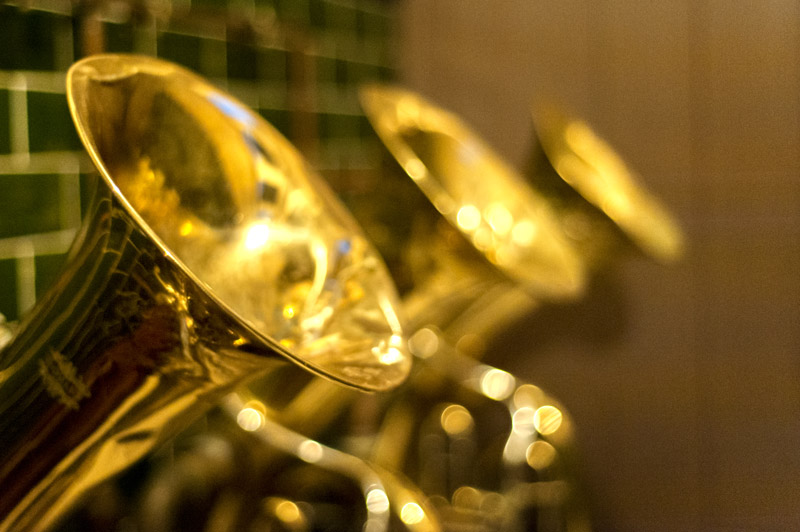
[[263, 51], [49, 124], [5, 139], [29, 203], [30, 38], [8, 287]]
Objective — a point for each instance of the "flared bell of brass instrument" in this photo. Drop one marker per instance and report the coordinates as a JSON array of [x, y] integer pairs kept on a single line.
[[476, 191], [598, 197], [210, 255]]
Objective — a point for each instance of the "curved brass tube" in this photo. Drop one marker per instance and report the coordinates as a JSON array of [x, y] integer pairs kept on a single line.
[[239, 470], [481, 428], [209, 256], [385, 492]]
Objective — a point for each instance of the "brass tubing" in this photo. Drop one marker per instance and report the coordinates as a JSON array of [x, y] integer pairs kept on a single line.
[[209, 256]]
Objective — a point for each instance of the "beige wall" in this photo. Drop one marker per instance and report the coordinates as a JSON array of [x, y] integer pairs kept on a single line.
[[683, 379]]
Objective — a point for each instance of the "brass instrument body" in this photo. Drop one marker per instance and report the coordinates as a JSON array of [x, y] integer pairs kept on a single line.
[[209, 256], [239, 470], [120, 354], [391, 501], [485, 248], [478, 427], [458, 292], [455, 284], [462, 432]]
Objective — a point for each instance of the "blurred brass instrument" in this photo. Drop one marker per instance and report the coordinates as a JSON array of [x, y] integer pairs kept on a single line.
[[209, 256], [489, 447], [444, 428], [475, 282], [600, 200], [490, 231], [541, 235]]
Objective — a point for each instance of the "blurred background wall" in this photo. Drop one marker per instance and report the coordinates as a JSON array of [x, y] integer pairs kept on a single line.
[[683, 379]]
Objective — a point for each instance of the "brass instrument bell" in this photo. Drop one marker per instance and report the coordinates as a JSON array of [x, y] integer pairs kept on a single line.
[[210, 255], [481, 196], [601, 202]]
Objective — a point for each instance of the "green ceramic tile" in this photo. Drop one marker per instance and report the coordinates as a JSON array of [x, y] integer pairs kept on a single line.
[[48, 268], [376, 25], [361, 23], [339, 17], [28, 38], [336, 126], [29, 204], [265, 4], [273, 64], [249, 61], [5, 140], [278, 118], [120, 38], [50, 126], [341, 72], [386, 74], [360, 72], [326, 126], [88, 183], [8, 289], [296, 11], [365, 129], [181, 49], [210, 4], [326, 69], [316, 13], [213, 58], [242, 61]]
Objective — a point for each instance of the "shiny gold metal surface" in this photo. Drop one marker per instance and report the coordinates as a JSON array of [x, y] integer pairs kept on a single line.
[[486, 439], [488, 450], [467, 296], [391, 501], [493, 452], [476, 191], [235, 206], [210, 255], [593, 188], [239, 470]]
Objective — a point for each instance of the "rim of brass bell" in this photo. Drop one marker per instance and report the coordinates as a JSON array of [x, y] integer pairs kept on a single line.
[[601, 201], [210, 255]]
